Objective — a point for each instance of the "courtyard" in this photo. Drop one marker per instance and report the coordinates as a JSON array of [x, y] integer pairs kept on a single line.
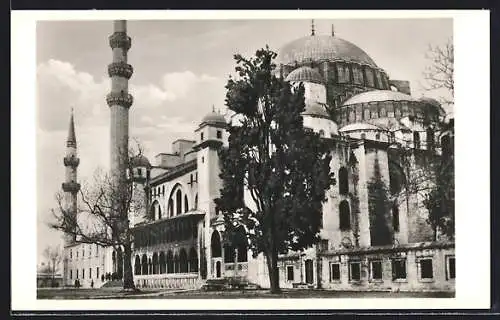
[[115, 293]]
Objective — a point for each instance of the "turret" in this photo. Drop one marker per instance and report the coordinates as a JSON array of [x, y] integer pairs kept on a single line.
[[70, 186], [211, 135]]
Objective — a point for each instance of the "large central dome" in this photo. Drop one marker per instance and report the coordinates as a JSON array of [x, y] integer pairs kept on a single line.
[[319, 48]]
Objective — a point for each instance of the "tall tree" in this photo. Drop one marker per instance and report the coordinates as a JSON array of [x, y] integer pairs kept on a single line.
[[103, 214], [53, 256], [282, 167], [381, 232], [439, 72]]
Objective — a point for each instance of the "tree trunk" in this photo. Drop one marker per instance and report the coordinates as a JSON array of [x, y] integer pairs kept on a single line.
[[128, 277], [272, 267]]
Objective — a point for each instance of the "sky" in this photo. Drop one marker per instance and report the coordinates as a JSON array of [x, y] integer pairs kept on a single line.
[[180, 69]]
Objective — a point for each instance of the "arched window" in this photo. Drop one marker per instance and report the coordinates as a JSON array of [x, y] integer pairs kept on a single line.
[[170, 262], [343, 181], [395, 216], [186, 204], [344, 215], [430, 138], [377, 136], [416, 139], [162, 263], [170, 207], [446, 145], [183, 261], [155, 263], [321, 133], [178, 202], [193, 260], [215, 245], [137, 265], [363, 136], [144, 268], [196, 201]]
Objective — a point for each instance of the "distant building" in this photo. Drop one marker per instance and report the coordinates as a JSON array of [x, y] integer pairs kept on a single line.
[[369, 119]]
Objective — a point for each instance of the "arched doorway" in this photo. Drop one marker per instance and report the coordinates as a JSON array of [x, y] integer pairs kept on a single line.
[[137, 265], [183, 261], [163, 265], [155, 263], [170, 262], [309, 271]]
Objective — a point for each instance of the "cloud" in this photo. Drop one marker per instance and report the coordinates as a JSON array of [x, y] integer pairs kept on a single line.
[[180, 83]]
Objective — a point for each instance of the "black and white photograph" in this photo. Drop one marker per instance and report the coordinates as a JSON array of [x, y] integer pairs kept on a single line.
[[247, 158]]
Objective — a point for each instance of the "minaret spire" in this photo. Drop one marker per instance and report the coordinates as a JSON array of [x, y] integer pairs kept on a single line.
[[333, 30], [71, 141], [312, 27], [71, 185]]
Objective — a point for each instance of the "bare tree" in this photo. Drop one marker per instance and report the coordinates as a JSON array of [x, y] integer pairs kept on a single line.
[[53, 257], [438, 74], [105, 207]]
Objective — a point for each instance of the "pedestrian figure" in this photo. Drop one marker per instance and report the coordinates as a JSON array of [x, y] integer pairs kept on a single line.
[[76, 283], [92, 284]]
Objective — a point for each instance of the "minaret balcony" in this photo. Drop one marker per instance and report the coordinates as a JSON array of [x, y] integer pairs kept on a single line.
[[72, 187], [119, 98], [71, 161], [120, 69], [120, 40]]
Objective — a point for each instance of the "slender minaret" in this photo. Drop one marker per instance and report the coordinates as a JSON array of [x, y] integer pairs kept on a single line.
[[119, 100], [71, 186]]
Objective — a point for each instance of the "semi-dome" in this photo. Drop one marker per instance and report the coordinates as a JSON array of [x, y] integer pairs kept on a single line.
[[304, 74], [377, 96], [318, 48], [140, 161], [316, 109], [214, 118]]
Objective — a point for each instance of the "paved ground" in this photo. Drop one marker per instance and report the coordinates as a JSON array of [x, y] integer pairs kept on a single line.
[[249, 294]]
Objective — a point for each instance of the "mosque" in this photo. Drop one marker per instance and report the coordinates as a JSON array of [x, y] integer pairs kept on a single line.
[[350, 100]]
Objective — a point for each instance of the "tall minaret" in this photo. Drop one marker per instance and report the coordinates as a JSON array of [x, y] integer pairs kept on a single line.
[[71, 186], [119, 100]]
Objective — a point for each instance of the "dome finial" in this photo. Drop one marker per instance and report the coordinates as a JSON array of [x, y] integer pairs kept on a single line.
[[213, 108], [333, 30], [312, 27]]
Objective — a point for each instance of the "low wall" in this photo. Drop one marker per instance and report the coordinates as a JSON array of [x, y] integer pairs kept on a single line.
[[168, 281]]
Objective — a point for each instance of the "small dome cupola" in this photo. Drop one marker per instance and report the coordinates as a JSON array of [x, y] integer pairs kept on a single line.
[[214, 118], [140, 167], [304, 74], [212, 129]]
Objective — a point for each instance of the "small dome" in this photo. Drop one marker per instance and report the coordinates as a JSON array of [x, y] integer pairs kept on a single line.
[[378, 95], [140, 161], [214, 118], [316, 109], [305, 74], [359, 126], [320, 48]]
